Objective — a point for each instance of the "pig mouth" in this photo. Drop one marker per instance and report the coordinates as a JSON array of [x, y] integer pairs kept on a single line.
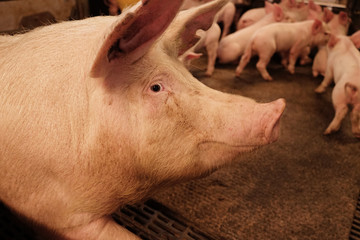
[[235, 148], [269, 135]]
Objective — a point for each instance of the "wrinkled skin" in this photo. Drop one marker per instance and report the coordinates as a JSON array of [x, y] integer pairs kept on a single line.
[[100, 113], [343, 66], [290, 39]]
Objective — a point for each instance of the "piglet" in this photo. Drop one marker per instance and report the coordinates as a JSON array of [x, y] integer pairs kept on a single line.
[[343, 66], [233, 45], [250, 17], [99, 113], [210, 41], [338, 24], [254, 15], [290, 39], [226, 16]]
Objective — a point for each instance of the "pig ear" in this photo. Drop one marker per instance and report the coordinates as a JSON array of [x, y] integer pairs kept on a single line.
[[351, 92], [355, 38], [333, 40], [291, 3], [328, 15], [181, 34], [313, 6], [316, 27], [343, 18], [278, 13], [301, 4], [134, 32], [269, 7]]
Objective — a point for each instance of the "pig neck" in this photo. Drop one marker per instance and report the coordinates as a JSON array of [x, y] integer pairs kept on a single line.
[[35, 108]]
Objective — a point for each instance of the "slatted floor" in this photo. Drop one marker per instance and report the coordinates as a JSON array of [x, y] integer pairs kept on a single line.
[[152, 221], [355, 228]]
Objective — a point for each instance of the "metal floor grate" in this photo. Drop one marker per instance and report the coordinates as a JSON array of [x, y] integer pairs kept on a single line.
[[153, 221], [149, 221], [355, 228]]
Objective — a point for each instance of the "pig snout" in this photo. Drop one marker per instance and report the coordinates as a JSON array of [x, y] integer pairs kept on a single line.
[[269, 120]]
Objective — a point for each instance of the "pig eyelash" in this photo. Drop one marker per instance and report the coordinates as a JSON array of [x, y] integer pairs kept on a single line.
[[156, 87]]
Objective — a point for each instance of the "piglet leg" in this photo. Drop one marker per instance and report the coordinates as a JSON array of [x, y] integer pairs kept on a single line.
[[326, 81], [340, 113], [211, 49], [264, 59], [293, 56]]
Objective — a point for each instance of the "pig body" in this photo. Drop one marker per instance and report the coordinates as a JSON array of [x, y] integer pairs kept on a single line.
[[343, 67], [295, 12], [233, 46], [292, 39], [338, 24], [88, 128], [250, 17], [226, 16]]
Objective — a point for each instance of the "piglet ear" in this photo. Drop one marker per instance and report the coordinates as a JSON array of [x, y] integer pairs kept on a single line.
[[313, 6], [355, 38], [333, 41], [291, 4], [343, 18], [269, 7], [351, 92], [134, 32], [328, 15], [316, 27], [278, 13], [181, 34]]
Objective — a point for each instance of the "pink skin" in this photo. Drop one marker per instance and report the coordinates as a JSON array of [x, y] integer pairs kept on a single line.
[[100, 113], [290, 39], [294, 11], [254, 15], [343, 67], [208, 39], [187, 4], [338, 25], [226, 16], [250, 17], [233, 46]]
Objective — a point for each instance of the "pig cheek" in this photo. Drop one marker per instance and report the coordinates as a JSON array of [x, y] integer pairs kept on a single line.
[[166, 133]]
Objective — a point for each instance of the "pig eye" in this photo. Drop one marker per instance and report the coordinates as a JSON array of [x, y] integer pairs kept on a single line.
[[156, 87]]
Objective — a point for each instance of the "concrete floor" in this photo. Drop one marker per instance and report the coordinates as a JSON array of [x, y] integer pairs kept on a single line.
[[304, 186]]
